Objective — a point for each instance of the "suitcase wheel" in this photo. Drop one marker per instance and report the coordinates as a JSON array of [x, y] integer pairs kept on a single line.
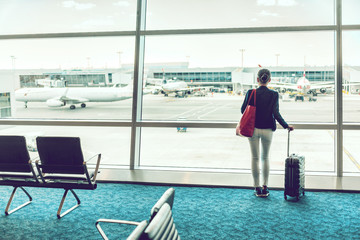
[[285, 196]]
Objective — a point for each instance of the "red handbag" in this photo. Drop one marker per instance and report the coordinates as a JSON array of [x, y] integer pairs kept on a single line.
[[246, 124]]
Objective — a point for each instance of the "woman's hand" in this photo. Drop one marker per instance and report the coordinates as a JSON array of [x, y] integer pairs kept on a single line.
[[290, 128]]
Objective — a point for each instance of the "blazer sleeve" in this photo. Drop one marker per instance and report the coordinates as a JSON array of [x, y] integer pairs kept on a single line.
[[276, 112], [243, 107]]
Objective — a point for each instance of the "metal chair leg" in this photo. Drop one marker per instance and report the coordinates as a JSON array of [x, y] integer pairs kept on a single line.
[[59, 215], [7, 212]]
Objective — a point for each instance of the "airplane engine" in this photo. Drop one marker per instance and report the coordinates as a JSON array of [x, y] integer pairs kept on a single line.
[[283, 90], [323, 90], [55, 103]]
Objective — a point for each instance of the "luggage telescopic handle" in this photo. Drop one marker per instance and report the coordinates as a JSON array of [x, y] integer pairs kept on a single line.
[[288, 143]]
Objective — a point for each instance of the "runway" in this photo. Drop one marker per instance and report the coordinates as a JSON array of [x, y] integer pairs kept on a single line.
[[199, 147]]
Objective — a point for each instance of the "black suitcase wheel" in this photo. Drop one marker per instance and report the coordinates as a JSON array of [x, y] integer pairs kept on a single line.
[[285, 196]]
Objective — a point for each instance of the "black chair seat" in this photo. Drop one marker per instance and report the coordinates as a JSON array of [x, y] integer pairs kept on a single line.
[[69, 177]]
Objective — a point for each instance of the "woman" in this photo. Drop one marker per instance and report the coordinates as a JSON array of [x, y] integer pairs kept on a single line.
[[267, 110]]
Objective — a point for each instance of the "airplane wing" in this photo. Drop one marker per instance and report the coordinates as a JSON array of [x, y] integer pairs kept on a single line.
[[283, 85], [73, 100], [64, 99], [316, 86]]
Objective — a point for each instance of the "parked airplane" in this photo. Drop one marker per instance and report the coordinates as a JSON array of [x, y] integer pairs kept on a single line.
[[180, 88], [59, 97], [303, 86]]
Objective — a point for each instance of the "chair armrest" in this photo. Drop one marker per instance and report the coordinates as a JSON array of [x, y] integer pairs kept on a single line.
[[92, 157], [97, 167], [102, 233], [117, 221], [39, 171]]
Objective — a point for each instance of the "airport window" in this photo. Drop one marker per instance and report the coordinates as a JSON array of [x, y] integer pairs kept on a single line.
[[188, 148], [296, 105], [351, 76], [320, 157], [351, 9], [351, 153], [67, 16], [75, 44], [112, 143], [72, 63], [237, 13]]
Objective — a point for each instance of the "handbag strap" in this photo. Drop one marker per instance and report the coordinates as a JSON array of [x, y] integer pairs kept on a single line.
[[251, 96]]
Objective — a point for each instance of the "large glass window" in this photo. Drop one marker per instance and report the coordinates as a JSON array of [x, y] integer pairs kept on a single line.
[[49, 16], [295, 39], [53, 76], [350, 12], [172, 14], [221, 149], [301, 99], [112, 143], [351, 152], [351, 76]]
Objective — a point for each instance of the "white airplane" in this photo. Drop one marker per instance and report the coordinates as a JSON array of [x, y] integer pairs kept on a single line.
[[180, 88], [303, 86], [59, 97]]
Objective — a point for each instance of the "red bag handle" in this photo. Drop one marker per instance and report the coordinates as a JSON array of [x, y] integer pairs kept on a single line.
[[251, 96]]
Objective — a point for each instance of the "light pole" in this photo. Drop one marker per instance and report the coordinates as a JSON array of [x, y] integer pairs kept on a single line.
[[13, 58], [13, 62], [88, 62], [242, 56], [120, 52], [187, 59], [277, 59]]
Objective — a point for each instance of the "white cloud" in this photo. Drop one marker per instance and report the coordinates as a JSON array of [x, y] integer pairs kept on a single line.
[[78, 6], [287, 3], [267, 13], [121, 4], [266, 2]]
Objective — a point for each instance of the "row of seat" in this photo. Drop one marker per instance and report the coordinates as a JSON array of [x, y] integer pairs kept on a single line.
[[159, 226], [60, 165]]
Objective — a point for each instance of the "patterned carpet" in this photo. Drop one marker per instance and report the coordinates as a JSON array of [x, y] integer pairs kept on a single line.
[[199, 213]]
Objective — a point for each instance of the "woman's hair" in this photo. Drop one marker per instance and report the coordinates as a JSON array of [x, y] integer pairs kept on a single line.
[[264, 75]]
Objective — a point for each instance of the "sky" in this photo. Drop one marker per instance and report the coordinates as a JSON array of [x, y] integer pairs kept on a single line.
[[216, 50]]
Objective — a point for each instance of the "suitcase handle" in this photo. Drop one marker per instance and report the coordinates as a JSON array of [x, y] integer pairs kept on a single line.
[[288, 143]]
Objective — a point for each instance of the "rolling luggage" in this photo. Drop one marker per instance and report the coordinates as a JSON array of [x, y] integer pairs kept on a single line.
[[294, 174]]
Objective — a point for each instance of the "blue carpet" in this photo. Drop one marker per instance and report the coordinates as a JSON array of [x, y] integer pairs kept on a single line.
[[199, 213]]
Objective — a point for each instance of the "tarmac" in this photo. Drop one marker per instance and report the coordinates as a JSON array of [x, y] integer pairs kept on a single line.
[[199, 147]]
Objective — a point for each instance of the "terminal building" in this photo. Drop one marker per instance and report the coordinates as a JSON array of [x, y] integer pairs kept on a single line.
[[228, 78]]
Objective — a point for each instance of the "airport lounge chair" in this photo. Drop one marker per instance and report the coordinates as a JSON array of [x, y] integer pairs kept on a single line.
[[162, 226], [62, 165], [15, 167], [167, 198]]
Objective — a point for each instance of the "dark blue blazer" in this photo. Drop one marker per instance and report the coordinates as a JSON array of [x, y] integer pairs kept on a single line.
[[267, 108]]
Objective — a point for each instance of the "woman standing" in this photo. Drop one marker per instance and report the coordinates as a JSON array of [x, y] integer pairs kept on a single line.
[[267, 110]]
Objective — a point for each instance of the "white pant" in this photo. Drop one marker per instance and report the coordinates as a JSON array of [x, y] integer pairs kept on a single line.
[[266, 137]]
